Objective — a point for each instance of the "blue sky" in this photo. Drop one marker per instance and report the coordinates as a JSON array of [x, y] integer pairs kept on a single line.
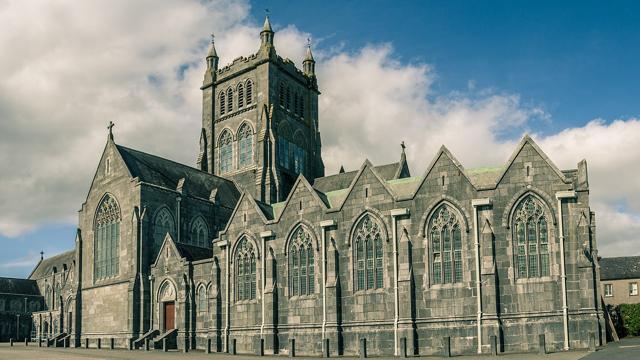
[[497, 68]]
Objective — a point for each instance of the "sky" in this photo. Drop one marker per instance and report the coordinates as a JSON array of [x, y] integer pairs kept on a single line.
[[475, 76]]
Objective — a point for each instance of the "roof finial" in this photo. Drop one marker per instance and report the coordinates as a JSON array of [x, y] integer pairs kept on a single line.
[[341, 170], [41, 254], [309, 42], [403, 146], [110, 127], [213, 38], [309, 55], [267, 23]]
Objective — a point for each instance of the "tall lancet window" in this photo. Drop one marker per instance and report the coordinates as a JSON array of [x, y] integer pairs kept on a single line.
[[245, 269], [249, 92], [229, 100], [240, 96], [245, 145], [301, 264], [106, 252], [223, 103], [367, 247], [531, 236], [446, 246], [226, 152]]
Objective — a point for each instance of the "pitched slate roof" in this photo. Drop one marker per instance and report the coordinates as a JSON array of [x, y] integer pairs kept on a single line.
[[193, 253], [343, 180], [616, 268], [485, 176], [18, 286], [45, 267], [166, 173]]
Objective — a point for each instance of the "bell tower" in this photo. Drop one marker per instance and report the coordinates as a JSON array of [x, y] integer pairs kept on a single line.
[[260, 120]]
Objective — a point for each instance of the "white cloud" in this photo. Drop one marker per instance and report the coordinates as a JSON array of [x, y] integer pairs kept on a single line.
[[75, 66]]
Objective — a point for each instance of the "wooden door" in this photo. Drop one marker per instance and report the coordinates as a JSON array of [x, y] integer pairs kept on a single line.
[[169, 316]]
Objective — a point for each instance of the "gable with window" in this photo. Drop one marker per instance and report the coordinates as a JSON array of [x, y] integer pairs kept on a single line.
[[531, 238], [368, 254], [301, 263], [245, 270], [106, 239], [445, 238]]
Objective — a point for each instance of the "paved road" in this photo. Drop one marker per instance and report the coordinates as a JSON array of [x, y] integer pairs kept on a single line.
[[626, 349]]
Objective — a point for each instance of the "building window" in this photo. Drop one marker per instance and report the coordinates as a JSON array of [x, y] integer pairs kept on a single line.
[[226, 152], [229, 100], [49, 298], [202, 299], [368, 254], [633, 289], [249, 92], [608, 290], [223, 103], [301, 264], [240, 96], [107, 239], [199, 233], [281, 94], [288, 98], [245, 262], [295, 104], [446, 246], [245, 145], [163, 224], [531, 236]]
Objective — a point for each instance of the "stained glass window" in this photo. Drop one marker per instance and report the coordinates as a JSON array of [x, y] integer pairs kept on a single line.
[[245, 261], [107, 239], [368, 253], [446, 246], [531, 235]]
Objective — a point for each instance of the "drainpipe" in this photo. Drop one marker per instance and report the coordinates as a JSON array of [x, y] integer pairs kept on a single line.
[[396, 297], [263, 282], [563, 275], [324, 225], [153, 300], [476, 242], [227, 321]]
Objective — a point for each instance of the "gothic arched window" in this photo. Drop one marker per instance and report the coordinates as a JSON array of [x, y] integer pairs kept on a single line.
[[245, 269], [368, 254], [245, 145], [199, 233], [106, 239], [298, 154], [446, 246], [301, 264], [162, 224], [284, 146], [48, 298], [202, 299], [249, 92], [295, 103], [223, 103], [226, 152], [229, 100], [240, 96], [531, 236]]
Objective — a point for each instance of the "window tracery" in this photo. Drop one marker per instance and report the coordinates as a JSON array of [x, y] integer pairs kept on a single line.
[[107, 238], [446, 246], [301, 263], [199, 233], [531, 236], [368, 254], [226, 152], [245, 145], [245, 266]]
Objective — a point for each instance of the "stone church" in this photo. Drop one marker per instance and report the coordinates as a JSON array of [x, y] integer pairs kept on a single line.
[[256, 250]]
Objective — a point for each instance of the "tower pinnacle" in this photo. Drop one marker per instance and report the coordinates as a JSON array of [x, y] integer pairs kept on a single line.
[[309, 64], [266, 35]]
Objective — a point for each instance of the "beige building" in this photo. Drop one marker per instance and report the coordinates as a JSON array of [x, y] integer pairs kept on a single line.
[[619, 278]]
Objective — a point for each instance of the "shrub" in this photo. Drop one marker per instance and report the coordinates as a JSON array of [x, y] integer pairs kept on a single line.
[[630, 315]]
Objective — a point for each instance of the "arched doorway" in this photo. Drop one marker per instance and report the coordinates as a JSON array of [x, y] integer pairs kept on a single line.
[[167, 306]]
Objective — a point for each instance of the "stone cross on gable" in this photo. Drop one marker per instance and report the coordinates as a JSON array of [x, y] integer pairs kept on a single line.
[[110, 127]]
